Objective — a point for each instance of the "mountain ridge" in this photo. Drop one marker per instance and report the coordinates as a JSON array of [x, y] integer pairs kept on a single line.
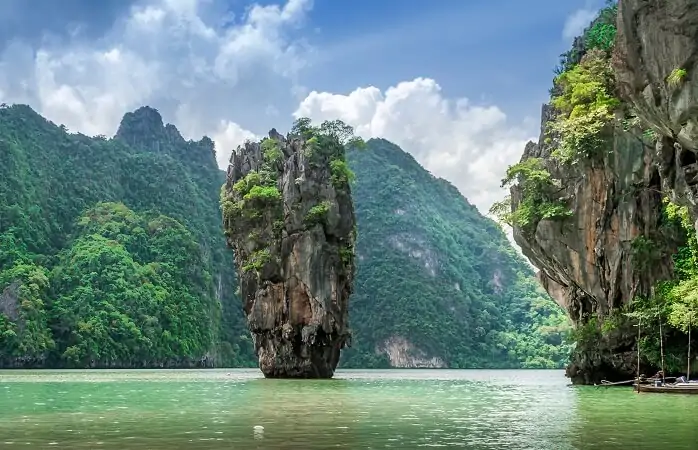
[[55, 178]]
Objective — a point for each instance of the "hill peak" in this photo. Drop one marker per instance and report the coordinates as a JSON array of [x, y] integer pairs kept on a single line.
[[144, 127]]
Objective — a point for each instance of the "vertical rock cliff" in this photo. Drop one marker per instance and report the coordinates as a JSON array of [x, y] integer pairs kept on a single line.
[[588, 200], [656, 65], [588, 259], [289, 217]]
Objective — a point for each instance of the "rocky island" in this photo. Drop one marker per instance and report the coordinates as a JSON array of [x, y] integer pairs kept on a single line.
[[289, 217], [604, 204]]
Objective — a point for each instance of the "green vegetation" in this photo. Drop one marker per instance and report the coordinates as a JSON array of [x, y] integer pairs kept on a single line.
[[318, 213], [650, 135], [675, 302], [433, 270], [257, 260], [158, 313], [599, 35], [24, 328], [583, 93], [271, 152], [128, 289], [346, 254], [329, 141], [254, 200], [585, 107], [676, 77], [329, 134], [341, 173], [537, 189], [645, 253], [111, 254], [584, 104], [263, 194], [254, 205], [111, 251]]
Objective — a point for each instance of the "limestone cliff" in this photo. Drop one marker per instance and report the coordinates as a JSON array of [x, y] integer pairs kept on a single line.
[[656, 65], [620, 134], [587, 261], [289, 218]]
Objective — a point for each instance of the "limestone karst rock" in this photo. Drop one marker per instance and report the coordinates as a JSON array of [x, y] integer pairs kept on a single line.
[[656, 65], [587, 261], [593, 252], [289, 217]]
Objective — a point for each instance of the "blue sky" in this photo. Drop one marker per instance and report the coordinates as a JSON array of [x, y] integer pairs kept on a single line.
[[457, 83]]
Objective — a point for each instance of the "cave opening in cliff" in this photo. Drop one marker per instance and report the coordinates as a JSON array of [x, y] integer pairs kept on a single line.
[[687, 158]]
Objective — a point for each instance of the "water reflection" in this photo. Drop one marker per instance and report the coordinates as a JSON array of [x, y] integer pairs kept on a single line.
[[357, 410]]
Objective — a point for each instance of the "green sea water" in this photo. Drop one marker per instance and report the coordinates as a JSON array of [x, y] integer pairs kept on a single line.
[[371, 409]]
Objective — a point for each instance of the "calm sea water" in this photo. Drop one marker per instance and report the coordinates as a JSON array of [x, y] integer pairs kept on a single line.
[[399, 409]]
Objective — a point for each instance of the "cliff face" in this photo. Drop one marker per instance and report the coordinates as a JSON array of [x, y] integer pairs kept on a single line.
[[632, 144], [289, 218], [656, 66], [587, 261]]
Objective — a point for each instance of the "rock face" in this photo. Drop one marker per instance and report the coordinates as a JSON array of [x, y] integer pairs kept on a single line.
[[289, 218], [656, 65], [590, 261], [587, 262]]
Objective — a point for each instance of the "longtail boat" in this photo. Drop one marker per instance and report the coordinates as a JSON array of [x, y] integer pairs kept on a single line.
[[674, 388], [659, 385]]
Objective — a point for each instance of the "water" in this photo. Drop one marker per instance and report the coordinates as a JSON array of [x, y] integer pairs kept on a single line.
[[399, 409]]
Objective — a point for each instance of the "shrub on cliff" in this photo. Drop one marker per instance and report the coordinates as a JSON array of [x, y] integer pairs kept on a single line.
[[255, 201], [537, 202], [602, 32], [585, 107], [600, 35], [584, 114]]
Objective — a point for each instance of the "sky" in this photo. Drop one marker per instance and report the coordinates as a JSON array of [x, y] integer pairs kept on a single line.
[[457, 83]]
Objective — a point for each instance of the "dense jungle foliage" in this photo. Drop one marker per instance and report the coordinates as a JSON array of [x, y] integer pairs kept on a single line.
[[434, 271], [141, 280], [112, 254]]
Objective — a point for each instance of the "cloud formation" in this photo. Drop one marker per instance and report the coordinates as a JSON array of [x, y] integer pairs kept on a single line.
[[233, 78], [577, 22], [176, 55], [466, 144]]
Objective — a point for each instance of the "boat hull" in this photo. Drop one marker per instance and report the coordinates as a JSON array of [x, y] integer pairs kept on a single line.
[[668, 389]]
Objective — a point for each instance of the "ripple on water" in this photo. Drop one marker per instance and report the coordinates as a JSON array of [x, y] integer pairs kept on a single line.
[[373, 409]]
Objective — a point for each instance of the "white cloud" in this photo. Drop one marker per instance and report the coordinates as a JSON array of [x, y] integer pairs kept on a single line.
[[204, 77], [229, 135], [468, 145], [577, 22], [234, 82]]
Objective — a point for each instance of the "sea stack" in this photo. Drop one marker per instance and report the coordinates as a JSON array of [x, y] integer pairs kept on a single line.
[[289, 218]]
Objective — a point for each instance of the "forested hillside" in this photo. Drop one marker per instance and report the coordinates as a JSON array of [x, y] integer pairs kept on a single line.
[[144, 282], [112, 255], [438, 284]]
